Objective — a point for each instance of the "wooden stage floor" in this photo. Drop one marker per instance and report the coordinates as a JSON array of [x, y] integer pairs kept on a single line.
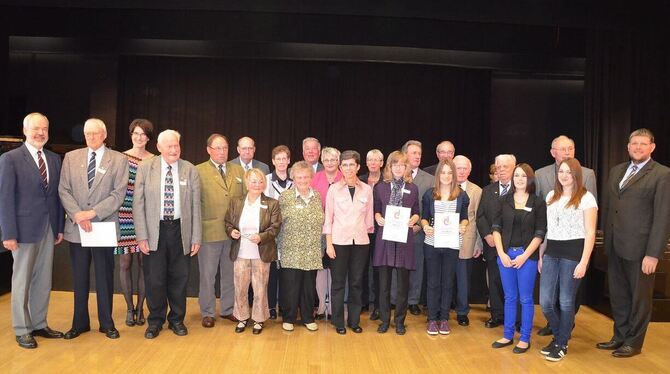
[[220, 349]]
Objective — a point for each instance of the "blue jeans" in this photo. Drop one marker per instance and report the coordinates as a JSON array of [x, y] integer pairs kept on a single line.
[[557, 282], [518, 285], [441, 266]]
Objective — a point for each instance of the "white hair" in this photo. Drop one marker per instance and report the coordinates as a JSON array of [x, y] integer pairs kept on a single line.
[[330, 151], [505, 157], [310, 139], [444, 143], [464, 159], [167, 133], [375, 153], [95, 122], [35, 115], [559, 138], [410, 142]]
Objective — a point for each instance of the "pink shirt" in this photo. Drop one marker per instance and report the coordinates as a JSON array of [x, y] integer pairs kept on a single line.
[[320, 183], [349, 221]]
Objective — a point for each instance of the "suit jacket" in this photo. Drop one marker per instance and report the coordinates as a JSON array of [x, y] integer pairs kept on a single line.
[[105, 195], [533, 222], [215, 196], [488, 206], [269, 225], [470, 237], [254, 163], [147, 203], [424, 182], [637, 217], [431, 169], [545, 179], [25, 206]]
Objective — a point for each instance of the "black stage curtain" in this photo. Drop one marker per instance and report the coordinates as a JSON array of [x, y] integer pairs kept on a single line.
[[356, 106]]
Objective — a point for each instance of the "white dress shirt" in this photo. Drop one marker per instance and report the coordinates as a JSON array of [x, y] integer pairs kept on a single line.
[[33, 152]]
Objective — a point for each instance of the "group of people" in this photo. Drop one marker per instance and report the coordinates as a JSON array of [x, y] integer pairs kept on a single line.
[[282, 239]]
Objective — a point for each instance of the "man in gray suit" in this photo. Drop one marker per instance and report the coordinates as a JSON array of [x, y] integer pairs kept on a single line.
[[31, 221], [246, 149], [562, 148], [166, 209], [311, 151], [637, 228], [424, 182], [444, 150], [92, 187]]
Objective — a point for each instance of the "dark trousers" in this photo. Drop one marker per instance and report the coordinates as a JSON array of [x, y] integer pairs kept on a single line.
[[441, 264], [298, 293], [495, 284], [375, 278], [103, 265], [273, 286], [349, 263], [463, 271], [166, 275], [402, 292], [631, 294]]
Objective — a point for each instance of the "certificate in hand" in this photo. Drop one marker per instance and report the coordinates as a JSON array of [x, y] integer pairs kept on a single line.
[[103, 234], [396, 223], [446, 230]]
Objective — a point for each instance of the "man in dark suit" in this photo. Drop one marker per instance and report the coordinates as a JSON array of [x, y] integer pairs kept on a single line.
[[444, 150], [637, 228], [485, 216], [31, 221], [246, 149]]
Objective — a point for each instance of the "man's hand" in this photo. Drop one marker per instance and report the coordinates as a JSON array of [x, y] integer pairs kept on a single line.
[[59, 238], [10, 244], [649, 265], [86, 225], [144, 246], [194, 249], [84, 215]]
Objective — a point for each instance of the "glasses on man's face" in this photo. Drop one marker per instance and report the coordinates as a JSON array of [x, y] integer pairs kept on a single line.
[[565, 149], [219, 149], [247, 148]]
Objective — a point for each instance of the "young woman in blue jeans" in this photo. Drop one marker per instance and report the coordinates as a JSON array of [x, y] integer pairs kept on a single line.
[[518, 230], [572, 212]]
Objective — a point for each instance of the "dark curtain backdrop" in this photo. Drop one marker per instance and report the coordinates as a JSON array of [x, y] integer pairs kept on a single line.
[[346, 105]]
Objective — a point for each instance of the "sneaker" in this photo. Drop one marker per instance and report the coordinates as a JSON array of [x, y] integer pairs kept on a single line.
[[432, 328], [287, 326], [557, 353], [444, 327], [312, 326], [545, 350]]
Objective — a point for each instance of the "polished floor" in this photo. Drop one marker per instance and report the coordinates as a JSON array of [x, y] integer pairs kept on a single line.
[[221, 350]]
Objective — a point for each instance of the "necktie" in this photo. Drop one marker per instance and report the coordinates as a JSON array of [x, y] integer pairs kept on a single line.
[[223, 175], [168, 197], [505, 189], [630, 176], [246, 167], [43, 169], [91, 170]]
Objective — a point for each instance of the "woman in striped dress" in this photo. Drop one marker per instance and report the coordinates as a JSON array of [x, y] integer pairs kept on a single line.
[[141, 131]]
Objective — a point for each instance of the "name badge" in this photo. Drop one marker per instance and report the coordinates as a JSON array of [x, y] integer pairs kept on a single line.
[[182, 182], [264, 206], [102, 170], [406, 191], [528, 209]]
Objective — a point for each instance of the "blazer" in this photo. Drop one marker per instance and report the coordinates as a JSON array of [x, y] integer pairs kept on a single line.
[[471, 238], [269, 226], [215, 196], [424, 182], [349, 220], [25, 206], [428, 210], [254, 163], [488, 206], [431, 169], [105, 195], [533, 221], [545, 180], [637, 219], [147, 203]]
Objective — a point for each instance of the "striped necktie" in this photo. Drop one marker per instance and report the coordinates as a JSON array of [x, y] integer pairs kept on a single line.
[[43, 170], [505, 189], [91, 170], [633, 171]]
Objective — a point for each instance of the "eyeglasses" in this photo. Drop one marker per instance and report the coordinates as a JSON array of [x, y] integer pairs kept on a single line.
[[247, 148], [329, 160], [565, 149], [140, 134], [219, 149]]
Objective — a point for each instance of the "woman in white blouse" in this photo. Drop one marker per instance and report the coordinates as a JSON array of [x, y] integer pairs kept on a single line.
[[571, 232]]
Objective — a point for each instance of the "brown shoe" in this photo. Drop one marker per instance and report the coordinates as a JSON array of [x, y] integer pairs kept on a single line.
[[230, 318], [208, 322]]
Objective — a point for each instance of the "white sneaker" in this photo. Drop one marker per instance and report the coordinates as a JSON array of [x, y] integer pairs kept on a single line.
[[312, 326], [287, 326]]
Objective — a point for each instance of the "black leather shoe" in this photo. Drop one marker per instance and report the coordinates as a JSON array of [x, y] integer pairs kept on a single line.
[[47, 333], [111, 333], [414, 309], [374, 316], [501, 345], [152, 332], [140, 318], [365, 308], [73, 333], [130, 317], [273, 314], [463, 320], [26, 341], [341, 330], [178, 328], [610, 345], [258, 328], [356, 329], [545, 331], [400, 329], [491, 323], [519, 350], [626, 351], [383, 328]]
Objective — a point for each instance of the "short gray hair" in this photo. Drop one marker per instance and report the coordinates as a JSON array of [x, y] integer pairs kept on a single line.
[[95, 122], [559, 138], [462, 158], [330, 151], [373, 153], [505, 157], [34, 115], [410, 142], [302, 166], [310, 139], [165, 133]]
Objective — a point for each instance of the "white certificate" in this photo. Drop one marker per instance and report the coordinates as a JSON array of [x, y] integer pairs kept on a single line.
[[396, 223], [103, 234], [446, 230]]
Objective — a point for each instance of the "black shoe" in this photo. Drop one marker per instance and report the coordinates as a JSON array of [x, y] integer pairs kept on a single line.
[[610, 345], [547, 349], [130, 317], [545, 331], [491, 323], [273, 314], [152, 332], [383, 328], [414, 309], [241, 325], [178, 328], [463, 320], [365, 308], [400, 329], [341, 330], [497, 344], [140, 318], [626, 351], [73, 333], [356, 329], [26, 341], [519, 350], [111, 333], [374, 316], [320, 317], [258, 328], [47, 333]]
